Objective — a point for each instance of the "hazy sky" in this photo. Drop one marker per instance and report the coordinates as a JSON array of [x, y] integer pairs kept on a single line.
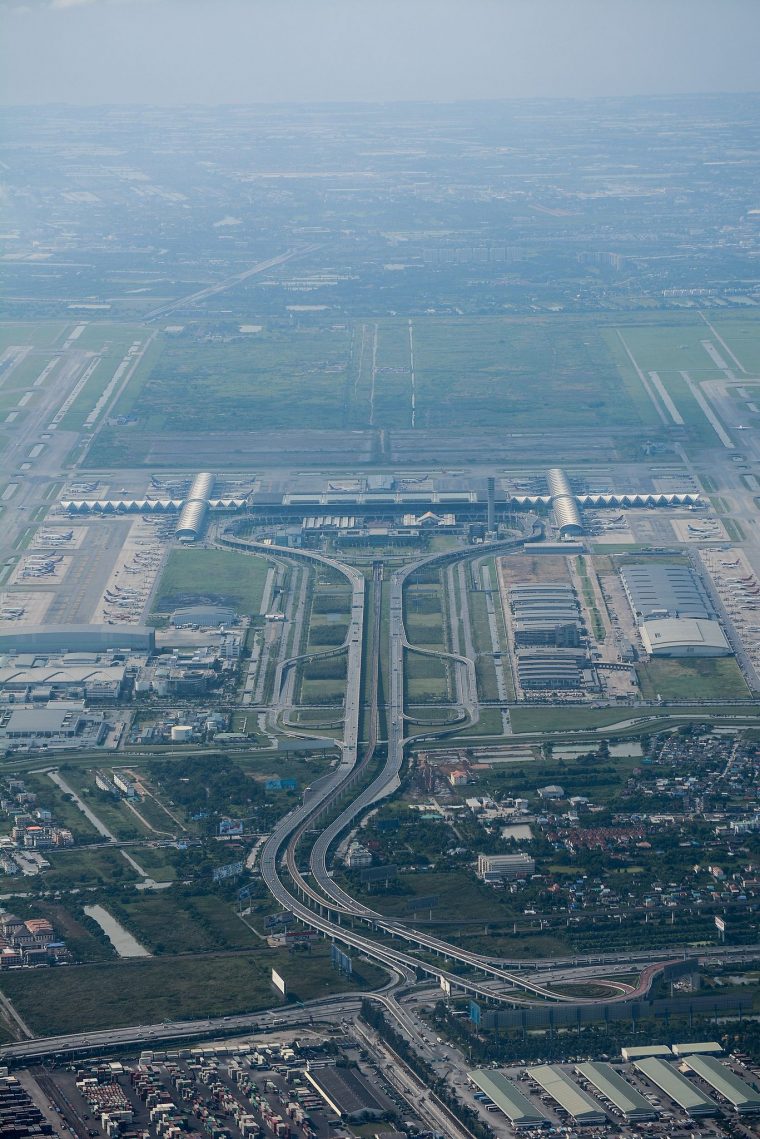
[[227, 51]]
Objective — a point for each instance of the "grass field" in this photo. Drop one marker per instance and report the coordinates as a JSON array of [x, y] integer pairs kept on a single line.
[[73, 868], [575, 719], [221, 576], [42, 334], [716, 678], [488, 371], [84, 998], [167, 923], [742, 334]]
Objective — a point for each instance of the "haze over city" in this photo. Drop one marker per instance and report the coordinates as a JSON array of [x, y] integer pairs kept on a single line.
[[233, 51]]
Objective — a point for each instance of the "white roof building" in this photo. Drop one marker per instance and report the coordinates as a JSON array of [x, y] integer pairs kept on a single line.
[[683, 637]]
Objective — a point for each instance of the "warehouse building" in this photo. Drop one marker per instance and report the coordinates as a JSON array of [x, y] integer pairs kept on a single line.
[[630, 1103], [579, 1106], [699, 1048], [682, 1091], [642, 1051], [562, 634], [75, 638], [349, 1094], [656, 590], [494, 867], [744, 1099], [684, 637], [548, 671], [518, 1108], [204, 616]]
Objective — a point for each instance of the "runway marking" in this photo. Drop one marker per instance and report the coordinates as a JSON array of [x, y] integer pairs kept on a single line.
[[723, 344], [708, 412], [675, 414], [643, 380]]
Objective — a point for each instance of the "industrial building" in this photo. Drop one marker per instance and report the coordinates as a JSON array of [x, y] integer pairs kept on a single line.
[[580, 1107], [682, 1091], [349, 1094], [630, 1103], [655, 590], [518, 1108], [684, 637], [203, 616], [698, 1048], [642, 1051], [744, 1099], [549, 670], [494, 867], [673, 610], [545, 614], [75, 638]]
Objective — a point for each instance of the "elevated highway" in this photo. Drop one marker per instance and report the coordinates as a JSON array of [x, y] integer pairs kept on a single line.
[[328, 908]]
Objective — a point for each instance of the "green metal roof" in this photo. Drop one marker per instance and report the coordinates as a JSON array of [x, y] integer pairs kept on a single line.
[[725, 1082], [562, 1089], [517, 1107], [618, 1091], [685, 1093]]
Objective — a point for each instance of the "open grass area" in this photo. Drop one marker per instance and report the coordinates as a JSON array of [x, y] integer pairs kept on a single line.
[[742, 335], [113, 812], [169, 923], [490, 371], [41, 334], [712, 678], [64, 811], [74, 868], [220, 576], [84, 998], [540, 718], [278, 378]]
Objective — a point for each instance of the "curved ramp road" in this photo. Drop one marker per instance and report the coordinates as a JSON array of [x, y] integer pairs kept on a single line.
[[333, 906]]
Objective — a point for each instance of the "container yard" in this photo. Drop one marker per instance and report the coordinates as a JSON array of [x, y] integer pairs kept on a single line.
[[225, 1091]]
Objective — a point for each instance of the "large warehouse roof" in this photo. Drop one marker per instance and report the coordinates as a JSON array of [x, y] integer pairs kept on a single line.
[[685, 1093], [518, 1109], [665, 590], [741, 1095], [349, 1094], [609, 1083], [71, 638], [698, 1048], [638, 1052], [561, 1088], [684, 636]]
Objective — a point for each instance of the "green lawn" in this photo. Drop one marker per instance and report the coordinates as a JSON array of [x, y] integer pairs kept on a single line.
[[712, 678], [220, 576]]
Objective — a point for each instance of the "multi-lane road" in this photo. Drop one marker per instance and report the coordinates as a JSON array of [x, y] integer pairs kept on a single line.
[[321, 903]]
